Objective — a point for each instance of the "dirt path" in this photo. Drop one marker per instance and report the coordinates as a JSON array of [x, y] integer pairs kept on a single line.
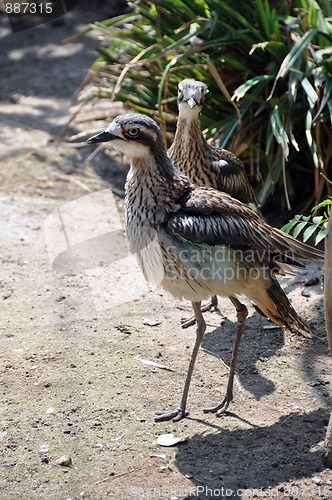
[[73, 380]]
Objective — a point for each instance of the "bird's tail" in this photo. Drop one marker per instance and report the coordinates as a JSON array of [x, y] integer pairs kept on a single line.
[[276, 306]]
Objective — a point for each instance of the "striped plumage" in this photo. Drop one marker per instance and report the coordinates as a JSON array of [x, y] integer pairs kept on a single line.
[[196, 242], [203, 163]]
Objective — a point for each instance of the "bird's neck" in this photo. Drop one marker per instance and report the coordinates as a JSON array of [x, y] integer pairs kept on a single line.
[[188, 131], [155, 165], [154, 184], [190, 151]]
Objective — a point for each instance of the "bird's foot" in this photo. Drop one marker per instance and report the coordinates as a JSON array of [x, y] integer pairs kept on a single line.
[[188, 322], [220, 408], [210, 306], [175, 415]]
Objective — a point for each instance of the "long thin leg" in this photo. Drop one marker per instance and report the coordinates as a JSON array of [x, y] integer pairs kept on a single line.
[[180, 412], [242, 313]]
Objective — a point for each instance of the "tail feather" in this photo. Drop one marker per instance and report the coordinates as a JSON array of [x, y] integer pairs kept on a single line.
[[276, 306], [298, 249]]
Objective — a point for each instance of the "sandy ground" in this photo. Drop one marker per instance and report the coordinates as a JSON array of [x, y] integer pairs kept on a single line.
[[74, 333]]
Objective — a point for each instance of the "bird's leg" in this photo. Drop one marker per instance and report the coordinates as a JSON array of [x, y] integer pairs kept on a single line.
[[242, 313], [180, 412], [210, 306]]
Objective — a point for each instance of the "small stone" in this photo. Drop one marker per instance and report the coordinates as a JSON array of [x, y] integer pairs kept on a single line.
[[43, 448], [15, 98], [151, 322], [65, 461]]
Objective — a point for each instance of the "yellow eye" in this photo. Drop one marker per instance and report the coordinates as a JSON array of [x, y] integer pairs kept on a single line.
[[133, 132]]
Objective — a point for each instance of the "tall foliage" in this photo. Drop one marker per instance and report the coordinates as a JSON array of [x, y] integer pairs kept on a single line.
[[268, 65]]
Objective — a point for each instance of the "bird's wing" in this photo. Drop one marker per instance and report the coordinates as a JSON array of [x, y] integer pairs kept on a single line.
[[214, 218], [231, 176]]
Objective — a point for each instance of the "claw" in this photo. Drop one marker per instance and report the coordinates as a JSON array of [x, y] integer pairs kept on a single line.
[[210, 306], [188, 322], [221, 407], [175, 415]]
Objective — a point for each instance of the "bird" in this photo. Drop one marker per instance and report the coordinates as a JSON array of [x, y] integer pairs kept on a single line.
[[206, 165], [197, 242]]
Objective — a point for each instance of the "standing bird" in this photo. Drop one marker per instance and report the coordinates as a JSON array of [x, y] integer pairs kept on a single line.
[[198, 242], [206, 165]]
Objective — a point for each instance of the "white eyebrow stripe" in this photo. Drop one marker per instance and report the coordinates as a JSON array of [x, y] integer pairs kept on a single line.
[[115, 129], [135, 125]]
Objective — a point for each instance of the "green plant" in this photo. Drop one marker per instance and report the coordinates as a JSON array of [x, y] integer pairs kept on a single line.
[[268, 66], [311, 224]]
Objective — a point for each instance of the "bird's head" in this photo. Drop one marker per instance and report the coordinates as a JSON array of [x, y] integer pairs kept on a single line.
[[191, 96], [133, 134]]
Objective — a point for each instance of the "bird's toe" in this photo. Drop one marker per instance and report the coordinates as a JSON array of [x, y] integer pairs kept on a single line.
[[220, 408], [188, 322], [174, 415]]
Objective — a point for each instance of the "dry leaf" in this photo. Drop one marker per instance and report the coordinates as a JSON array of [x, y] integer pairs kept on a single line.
[[154, 364], [169, 440]]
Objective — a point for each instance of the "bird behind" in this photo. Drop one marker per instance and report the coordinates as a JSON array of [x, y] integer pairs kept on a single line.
[[204, 164]]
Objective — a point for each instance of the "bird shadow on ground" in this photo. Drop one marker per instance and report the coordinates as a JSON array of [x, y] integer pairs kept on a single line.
[[254, 458], [260, 343]]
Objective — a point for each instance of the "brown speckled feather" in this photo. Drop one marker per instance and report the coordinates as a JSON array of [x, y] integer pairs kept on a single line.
[[215, 218]]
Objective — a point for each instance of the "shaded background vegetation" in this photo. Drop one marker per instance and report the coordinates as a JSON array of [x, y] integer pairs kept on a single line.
[[268, 65]]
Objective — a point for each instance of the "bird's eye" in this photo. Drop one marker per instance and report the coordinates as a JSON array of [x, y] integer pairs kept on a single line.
[[133, 132], [180, 94]]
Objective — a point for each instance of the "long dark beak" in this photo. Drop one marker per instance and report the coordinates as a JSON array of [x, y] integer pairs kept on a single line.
[[102, 137]]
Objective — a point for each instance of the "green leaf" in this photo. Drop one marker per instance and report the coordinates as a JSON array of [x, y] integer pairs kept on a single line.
[[279, 131], [311, 142], [299, 228], [316, 220], [294, 54], [309, 232], [320, 236], [245, 87], [310, 92], [322, 204], [289, 226]]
